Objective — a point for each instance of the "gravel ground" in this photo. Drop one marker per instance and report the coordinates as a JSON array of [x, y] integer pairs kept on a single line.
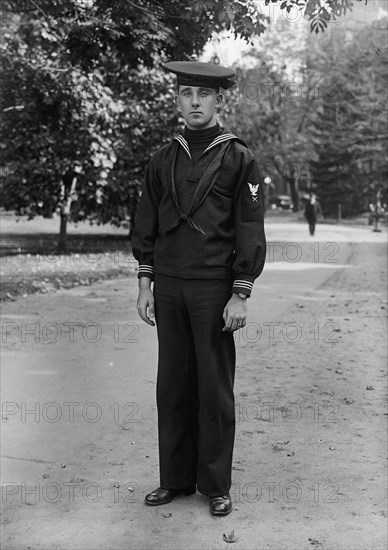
[[309, 470]]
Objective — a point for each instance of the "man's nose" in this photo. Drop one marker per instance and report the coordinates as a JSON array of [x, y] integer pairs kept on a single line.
[[195, 100]]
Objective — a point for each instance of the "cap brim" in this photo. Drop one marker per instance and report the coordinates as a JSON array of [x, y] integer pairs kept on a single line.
[[194, 73]]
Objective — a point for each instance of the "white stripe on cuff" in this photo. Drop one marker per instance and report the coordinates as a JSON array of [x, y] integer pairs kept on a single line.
[[246, 284], [146, 269]]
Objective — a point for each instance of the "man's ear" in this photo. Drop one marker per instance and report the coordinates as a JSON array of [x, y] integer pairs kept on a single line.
[[177, 102], [220, 100]]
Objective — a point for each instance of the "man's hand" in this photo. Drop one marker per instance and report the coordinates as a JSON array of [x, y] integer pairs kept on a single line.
[[235, 314], [145, 301]]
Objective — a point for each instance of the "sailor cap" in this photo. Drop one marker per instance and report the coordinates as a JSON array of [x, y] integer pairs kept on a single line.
[[195, 73]]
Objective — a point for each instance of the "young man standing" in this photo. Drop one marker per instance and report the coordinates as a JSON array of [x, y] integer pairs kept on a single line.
[[199, 236]]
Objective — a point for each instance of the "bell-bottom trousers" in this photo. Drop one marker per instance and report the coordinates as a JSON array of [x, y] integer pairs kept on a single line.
[[195, 400]]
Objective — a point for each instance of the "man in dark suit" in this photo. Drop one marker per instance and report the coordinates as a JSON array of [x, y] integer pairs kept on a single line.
[[312, 211]]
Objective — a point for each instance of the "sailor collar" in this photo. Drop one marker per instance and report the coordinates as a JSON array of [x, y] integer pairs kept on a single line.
[[224, 136]]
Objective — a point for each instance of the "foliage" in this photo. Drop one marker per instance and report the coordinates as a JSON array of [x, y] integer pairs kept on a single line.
[[86, 102], [319, 12], [315, 115], [274, 104], [349, 129]]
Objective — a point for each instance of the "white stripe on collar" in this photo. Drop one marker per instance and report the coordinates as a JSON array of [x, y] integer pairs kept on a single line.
[[216, 141], [184, 144]]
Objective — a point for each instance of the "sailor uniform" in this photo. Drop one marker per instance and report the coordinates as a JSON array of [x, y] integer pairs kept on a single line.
[[199, 236], [211, 227]]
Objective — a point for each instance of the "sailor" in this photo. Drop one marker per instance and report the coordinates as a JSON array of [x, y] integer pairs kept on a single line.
[[200, 243]]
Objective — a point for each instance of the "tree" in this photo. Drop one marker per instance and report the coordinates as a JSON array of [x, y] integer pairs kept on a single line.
[[315, 113], [58, 148], [274, 105], [349, 129], [85, 100]]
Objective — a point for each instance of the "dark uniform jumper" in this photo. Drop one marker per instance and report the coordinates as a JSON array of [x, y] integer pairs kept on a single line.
[[200, 236]]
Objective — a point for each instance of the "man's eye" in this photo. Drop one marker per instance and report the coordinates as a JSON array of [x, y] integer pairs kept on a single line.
[[203, 94], [186, 94]]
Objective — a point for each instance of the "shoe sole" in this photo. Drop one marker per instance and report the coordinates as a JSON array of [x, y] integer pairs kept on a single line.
[[184, 493], [157, 503], [221, 513]]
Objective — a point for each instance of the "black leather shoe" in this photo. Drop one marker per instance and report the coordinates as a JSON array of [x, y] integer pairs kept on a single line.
[[221, 506], [164, 496]]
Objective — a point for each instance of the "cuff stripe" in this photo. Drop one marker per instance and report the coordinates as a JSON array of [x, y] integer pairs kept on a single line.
[[245, 284], [146, 269]]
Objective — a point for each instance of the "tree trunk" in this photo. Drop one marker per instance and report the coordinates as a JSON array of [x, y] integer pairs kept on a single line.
[[133, 213], [294, 194], [131, 228], [62, 234], [66, 198], [132, 222]]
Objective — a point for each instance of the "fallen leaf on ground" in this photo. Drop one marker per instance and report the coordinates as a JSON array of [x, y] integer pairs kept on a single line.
[[279, 445], [230, 537], [315, 542]]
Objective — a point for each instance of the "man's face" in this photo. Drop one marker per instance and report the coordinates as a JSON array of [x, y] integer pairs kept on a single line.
[[198, 106]]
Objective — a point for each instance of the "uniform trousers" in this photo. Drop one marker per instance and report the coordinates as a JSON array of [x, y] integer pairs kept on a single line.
[[195, 400]]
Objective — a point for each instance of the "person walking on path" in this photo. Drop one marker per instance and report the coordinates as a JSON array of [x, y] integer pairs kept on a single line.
[[199, 238], [312, 211]]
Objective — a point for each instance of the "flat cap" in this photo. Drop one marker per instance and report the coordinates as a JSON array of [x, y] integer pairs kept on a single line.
[[195, 73]]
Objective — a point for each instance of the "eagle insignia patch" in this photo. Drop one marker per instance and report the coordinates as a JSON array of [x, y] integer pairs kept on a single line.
[[254, 190]]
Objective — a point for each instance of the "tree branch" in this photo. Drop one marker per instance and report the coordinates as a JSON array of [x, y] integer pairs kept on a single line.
[[378, 137], [41, 11], [137, 7], [13, 108], [46, 17]]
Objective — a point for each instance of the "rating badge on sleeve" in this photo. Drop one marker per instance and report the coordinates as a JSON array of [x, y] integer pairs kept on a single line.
[[254, 190]]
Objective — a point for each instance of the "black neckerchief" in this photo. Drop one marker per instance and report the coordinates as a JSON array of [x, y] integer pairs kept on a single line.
[[206, 170]]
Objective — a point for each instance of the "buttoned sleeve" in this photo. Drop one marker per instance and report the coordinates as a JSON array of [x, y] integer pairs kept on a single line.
[[250, 242], [146, 225]]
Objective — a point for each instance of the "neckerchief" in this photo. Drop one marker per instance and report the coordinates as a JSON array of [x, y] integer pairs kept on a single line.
[[207, 177]]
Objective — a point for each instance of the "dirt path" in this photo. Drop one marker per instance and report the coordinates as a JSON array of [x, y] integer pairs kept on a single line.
[[309, 466]]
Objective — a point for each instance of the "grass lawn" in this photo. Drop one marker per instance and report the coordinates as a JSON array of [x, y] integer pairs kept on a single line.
[[29, 262]]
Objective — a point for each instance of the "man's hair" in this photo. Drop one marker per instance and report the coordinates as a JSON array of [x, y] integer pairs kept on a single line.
[[217, 90]]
